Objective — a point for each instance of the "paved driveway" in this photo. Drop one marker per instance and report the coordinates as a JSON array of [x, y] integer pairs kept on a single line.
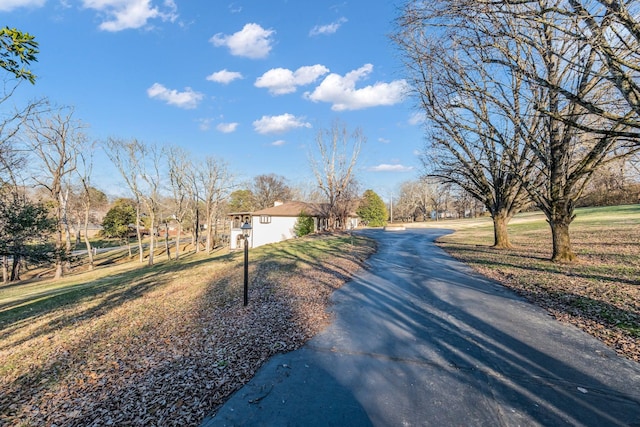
[[421, 340]]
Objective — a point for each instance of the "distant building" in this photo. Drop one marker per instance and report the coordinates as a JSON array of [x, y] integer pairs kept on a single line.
[[277, 223]]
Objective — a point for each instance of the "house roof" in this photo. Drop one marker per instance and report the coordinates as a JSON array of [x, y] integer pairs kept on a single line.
[[293, 209]]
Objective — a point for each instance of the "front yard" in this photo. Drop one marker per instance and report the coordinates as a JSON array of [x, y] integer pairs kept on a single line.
[[163, 345]]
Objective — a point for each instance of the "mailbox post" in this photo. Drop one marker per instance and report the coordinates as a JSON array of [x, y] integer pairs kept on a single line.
[[246, 232]]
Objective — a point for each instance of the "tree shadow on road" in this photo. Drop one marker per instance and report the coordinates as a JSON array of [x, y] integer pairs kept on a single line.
[[471, 345]]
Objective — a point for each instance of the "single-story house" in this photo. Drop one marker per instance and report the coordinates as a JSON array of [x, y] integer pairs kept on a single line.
[[277, 223]]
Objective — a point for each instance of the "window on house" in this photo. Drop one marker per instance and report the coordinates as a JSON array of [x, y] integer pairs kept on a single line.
[[265, 219]]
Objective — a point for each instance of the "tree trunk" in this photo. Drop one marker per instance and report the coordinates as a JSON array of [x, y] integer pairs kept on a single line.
[[152, 240], [59, 259], [215, 231], [15, 269], [178, 236], [5, 269], [86, 238], [128, 243], [562, 251], [196, 230], [138, 234], [166, 240], [64, 200], [209, 247], [209, 231], [500, 232]]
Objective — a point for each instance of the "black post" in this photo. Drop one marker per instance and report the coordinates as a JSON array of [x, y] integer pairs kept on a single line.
[[246, 271]]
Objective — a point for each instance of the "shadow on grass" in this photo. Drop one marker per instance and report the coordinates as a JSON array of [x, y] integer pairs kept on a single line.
[[583, 307], [217, 316], [111, 291], [579, 307], [120, 288], [272, 264], [472, 255]]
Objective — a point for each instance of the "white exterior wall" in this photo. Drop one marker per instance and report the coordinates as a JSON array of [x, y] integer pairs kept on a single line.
[[280, 228], [234, 240]]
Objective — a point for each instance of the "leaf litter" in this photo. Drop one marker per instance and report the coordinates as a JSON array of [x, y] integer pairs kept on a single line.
[[175, 353]]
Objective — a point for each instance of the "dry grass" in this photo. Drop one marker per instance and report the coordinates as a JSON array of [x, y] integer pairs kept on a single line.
[[133, 345], [600, 293]]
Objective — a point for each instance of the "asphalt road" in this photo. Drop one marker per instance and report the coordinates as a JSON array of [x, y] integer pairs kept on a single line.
[[419, 339]]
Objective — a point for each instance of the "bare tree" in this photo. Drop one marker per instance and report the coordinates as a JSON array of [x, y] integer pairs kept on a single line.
[[407, 206], [12, 156], [151, 175], [195, 198], [608, 34], [348, 203], [574, 142], [612, 185], [215, 182], [474, 115], [439, 196], [13, 159], [179, 170], [126, 155], [333, 166], [84, 169], [307, 191], [56, 139], [562, 79], [267, 189]]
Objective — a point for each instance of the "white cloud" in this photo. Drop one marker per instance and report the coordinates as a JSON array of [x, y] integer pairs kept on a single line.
[[279, 124], [390, 168], [234, 8], [125, 14], [416, 118], [384, 140], [188, 99], [227, 127], [342, 93], [7, 5], [327, 29], [252, 41], [205, 124], [278, 143], [224, 76], [281, 81]]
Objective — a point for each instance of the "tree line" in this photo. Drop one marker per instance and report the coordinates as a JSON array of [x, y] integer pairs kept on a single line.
[[46, 165], [524, 101], [47, 193], [166, 186]]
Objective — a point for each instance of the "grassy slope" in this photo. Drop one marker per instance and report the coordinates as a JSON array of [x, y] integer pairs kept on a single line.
[[600, 293], [166, 344], [130, 344]]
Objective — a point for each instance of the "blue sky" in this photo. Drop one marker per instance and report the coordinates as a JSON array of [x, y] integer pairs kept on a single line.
[[250, 82]]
